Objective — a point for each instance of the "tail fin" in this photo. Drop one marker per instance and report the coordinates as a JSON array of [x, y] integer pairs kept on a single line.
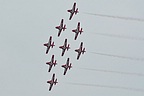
[[55, 82], [81, 31], [68, 47], [76, 11], [55, 62], [83, 51], [64, 27], [52, 44], [70, 66]]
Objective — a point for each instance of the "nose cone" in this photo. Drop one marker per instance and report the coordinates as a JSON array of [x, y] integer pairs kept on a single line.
[[73, 30], [47, 62], [48, 81], [45, 44], [57, 27], [68, 10], [60, 47], [76, 50], [62, 66]]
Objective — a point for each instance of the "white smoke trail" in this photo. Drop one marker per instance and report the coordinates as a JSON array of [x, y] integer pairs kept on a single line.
[[116, 17], [117, 72], [108, 86], [120, 36], [123, 57]]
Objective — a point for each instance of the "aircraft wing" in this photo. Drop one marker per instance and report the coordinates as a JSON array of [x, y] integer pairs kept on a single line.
[[50, 39], [50, 67], [63, 51], [50, 87], [65, 43], [61, 23], [65, 71], [76, 35], [71, 15], [78, 26], [78, 55], [53, 77], [52, 59], [47, 49], [67, 61], [59, 32], [81, 45], [74, 6]]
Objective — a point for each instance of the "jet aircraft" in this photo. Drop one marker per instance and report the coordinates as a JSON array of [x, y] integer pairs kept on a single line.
[[66, 66], [72, 11], [61, 27], [49, 44], [77, 31], [51, 63], [80, 50], [52, 81], [64, 47]]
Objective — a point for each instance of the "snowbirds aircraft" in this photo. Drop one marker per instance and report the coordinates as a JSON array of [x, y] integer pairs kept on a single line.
[[49, 44], [51, 63], [73, 11], [64, 47], [61, 27], [80, 50], [77, 31], [66, 66], [52, 81]]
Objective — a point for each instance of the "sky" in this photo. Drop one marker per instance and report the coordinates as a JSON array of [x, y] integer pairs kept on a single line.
[[113, 62]]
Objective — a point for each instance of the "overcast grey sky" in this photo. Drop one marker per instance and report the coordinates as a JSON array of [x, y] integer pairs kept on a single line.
[[27, 24]]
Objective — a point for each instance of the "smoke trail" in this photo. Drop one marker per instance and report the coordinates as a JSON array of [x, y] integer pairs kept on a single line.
[[120, 36], [124, 57], [107, 86], [116, 17], [117, 72]]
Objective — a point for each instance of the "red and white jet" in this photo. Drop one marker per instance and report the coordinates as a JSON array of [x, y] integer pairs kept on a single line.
[[77, 31], [49, 44], [61, 27], [72, 11], [66, 66], [64, 47], [52, 81], [80, 50], [51, 63]]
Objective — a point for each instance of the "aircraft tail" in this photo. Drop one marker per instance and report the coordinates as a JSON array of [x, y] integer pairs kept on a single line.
[[83, 51], [64, 27], [76, 11], [55, 82], [81, 31], [68, 47], [55, 62], [70, 66], [52, 44]]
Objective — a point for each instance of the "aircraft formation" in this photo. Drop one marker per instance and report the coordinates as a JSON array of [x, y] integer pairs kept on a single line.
[[65, 47]]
